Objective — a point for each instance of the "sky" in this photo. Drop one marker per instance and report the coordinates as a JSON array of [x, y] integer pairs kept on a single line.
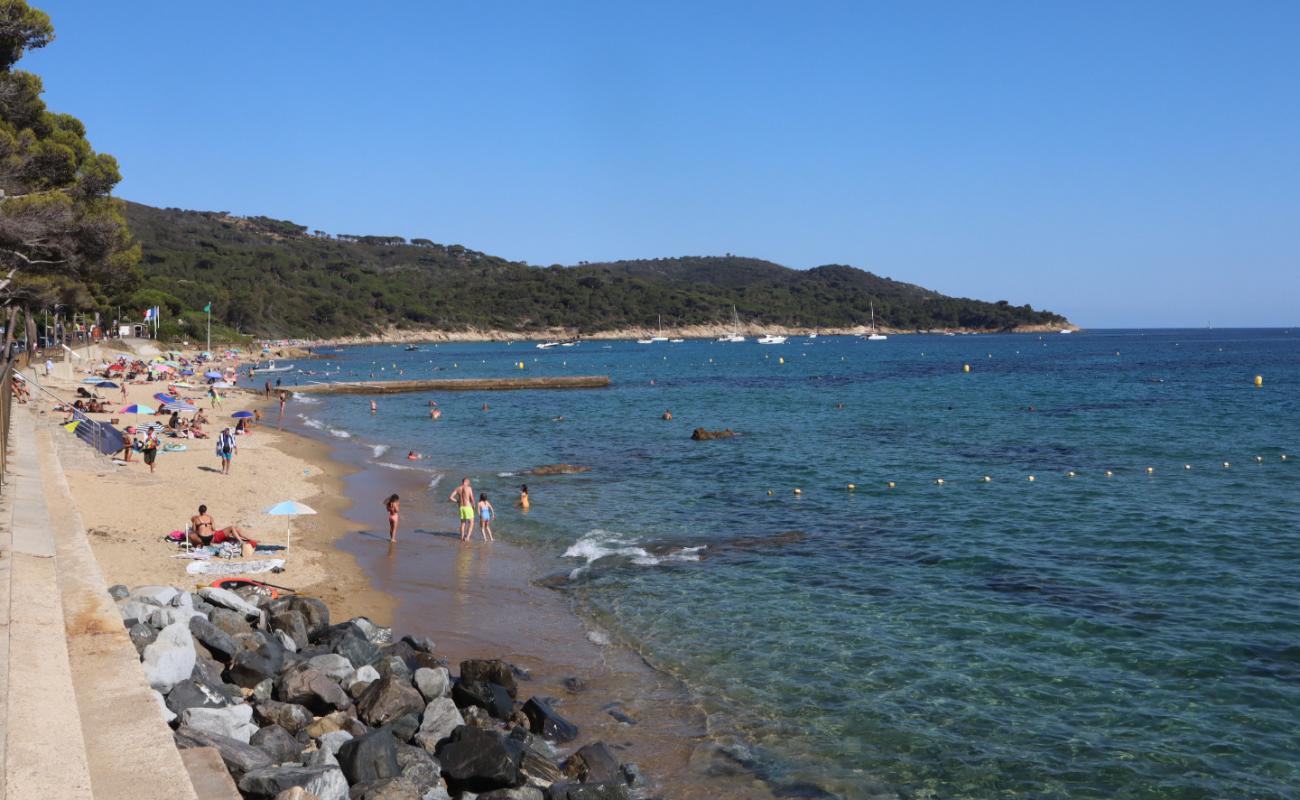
[[1125, 164]]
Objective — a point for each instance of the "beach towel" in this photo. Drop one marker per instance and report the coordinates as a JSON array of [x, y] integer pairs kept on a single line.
[[220, 567]]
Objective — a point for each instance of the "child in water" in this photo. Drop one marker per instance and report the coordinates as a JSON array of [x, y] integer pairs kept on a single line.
[[523, 497], [393, 506], [485, 514]]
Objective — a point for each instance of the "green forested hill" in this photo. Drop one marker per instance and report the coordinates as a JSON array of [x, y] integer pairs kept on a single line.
[[274, 278]]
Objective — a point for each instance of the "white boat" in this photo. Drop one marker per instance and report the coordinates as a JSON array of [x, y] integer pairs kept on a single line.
[[676, 341], [645, 341], [659, 338], [771, 339], [733, 337], [1066, 330], [874, 336], [271, 367], [567, 344], [547, 345]]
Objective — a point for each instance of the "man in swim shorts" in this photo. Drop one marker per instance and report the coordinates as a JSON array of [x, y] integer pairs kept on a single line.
[[463, 496]]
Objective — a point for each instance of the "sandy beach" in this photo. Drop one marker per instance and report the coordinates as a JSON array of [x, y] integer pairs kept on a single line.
[[127, 511]]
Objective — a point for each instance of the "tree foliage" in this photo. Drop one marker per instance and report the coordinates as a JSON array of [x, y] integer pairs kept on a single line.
[[268, 283], [63, 238]]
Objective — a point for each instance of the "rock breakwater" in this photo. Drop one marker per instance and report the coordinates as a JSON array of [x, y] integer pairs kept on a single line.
[[301, 707]]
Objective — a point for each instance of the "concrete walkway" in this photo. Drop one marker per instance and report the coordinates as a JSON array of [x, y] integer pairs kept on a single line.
[[79, 718]]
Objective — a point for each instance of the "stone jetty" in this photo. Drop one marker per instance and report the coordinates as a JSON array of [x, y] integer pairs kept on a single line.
[[298, 706]]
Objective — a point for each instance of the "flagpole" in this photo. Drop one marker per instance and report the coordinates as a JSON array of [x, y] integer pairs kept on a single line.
[[209, 310]]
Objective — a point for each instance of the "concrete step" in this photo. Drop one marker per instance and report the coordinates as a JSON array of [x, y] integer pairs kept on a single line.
[[44, 751]]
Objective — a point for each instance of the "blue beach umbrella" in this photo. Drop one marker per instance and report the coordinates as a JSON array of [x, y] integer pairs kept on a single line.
[[212, 373], [137, 408], [187, 372], [242, 415], [165, 398], [106, 385], [289, 509]]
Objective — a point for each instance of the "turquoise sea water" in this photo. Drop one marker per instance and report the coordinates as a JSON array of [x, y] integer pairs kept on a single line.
[[1131, 636]]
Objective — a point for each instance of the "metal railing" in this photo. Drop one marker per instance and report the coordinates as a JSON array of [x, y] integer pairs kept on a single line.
[[6, 410]]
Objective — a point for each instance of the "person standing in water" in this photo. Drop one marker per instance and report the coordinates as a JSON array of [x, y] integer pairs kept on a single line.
[[523, 497], [282, 401], [394, 506], [485, 514], [374, 407], [464, 498]]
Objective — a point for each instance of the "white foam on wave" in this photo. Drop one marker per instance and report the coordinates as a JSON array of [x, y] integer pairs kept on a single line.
[[598, 637], [507, 474], [379, 449], [436, 480], [342, 434], [305, 399], [311, 423], [598, 544]]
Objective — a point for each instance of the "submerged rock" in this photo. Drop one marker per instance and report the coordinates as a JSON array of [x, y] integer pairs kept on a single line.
[[593, 763], [559, 469], [547, 723], [491, 697], [492, 670], [704, 435]]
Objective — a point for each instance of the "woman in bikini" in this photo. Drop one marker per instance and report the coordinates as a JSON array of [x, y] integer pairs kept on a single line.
[[203, 531], [393, 505]]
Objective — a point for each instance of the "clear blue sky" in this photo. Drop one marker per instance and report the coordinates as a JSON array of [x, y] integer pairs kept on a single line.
[[1126, 163]]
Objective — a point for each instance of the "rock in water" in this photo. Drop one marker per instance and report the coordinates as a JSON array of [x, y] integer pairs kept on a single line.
[[277, 743], [476, 760], [433, 683], [170, 659], [387, 699], [545, 722], [235, 722], [559, 469], [490, 697], [703, 435], [307, 687], [492, 670], [593, 763], [369, 758], [441, 717]]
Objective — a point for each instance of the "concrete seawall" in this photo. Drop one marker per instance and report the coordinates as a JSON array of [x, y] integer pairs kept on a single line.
[[457, 385]]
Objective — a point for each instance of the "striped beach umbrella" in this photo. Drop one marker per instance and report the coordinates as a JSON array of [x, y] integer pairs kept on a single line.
[[138, 408]]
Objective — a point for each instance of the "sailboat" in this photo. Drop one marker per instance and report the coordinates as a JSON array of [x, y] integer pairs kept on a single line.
[[875, 336], [734, 336], [659, 338]]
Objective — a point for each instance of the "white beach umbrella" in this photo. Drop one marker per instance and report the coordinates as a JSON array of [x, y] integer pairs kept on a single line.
[[289, 509]]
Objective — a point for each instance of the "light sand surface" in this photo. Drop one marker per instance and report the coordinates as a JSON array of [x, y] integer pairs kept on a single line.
[[127, 511]]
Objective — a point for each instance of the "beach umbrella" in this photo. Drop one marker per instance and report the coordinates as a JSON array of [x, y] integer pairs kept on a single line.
[[242, 415], [137, 408], [152, 426], [212, 373], [106, 385], [178, 406], [289, 509], [187, 372], [165, 398], [91, 380]]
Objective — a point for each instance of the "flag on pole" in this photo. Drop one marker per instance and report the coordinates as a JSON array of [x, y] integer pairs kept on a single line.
[[208, 308]]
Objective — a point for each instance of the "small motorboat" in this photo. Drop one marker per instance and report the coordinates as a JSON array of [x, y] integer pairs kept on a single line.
[[771, 339]]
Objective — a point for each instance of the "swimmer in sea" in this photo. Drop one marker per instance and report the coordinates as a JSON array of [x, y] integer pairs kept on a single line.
[[413, 456], [667, 416], [394, 506], [374, 407]]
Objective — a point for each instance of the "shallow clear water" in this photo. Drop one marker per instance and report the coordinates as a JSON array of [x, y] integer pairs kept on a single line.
[[1132, 636]]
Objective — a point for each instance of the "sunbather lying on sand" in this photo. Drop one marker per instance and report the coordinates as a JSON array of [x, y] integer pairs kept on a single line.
[[204, 532]]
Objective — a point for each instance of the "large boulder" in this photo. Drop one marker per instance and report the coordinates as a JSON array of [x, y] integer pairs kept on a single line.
[[134, 611], [219, 643], [593, 763], [308, 687], [170, 659], [369, 758], [333, 665], [375, 633], [419, 767], [315, 613], [168, 615], [349, 641], [154, 595], [547, 723], [238, 756], [232, 622], [433, 683], [491, 697], [278, 743], [292, 625], [476, 760], [489, 670], [193, 693], [517, 793], [256, 659], [441, 717], [266, 783], [387, 699], [290, 716], [235, 722]]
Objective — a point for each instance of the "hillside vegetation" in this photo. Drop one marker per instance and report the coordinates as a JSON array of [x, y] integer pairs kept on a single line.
[[275, 278]]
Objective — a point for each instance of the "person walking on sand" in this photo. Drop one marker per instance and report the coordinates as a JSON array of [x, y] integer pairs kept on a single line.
[[282, 399], [150, 449], [463, 496], [485, 514], [215, 397], [226, 449], [394, 506]]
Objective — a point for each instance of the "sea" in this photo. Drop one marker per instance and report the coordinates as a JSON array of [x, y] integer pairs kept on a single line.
[[975, 566]]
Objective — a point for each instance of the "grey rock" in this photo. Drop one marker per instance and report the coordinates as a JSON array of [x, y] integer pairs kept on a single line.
[[547, 723], [232, 622], [441, 717], [387, 699], [421, 643], [373, 632], [593, 763], [168, 615], [479, 761], [391, 789], [135, 610], [238, 756], [263, 691], [153, 595], [315, 613], [365, 674], [256, 659], [286, 641], [278, 743], [335, 666], [333, 740], [517, 793], [348, 641], [182, 600], [419, 767], [218, 642], [168, 714], [196, 694], [142, 636], [306, 686], [588, 791], [118, 592], [479, 718], [395, 666], [405, 727], [295, 793], [235, 722], [270, 781], [369, 758], [170, 658], [489, 670], [230, 600], [433, 683], [290, 716], [292, 624]]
